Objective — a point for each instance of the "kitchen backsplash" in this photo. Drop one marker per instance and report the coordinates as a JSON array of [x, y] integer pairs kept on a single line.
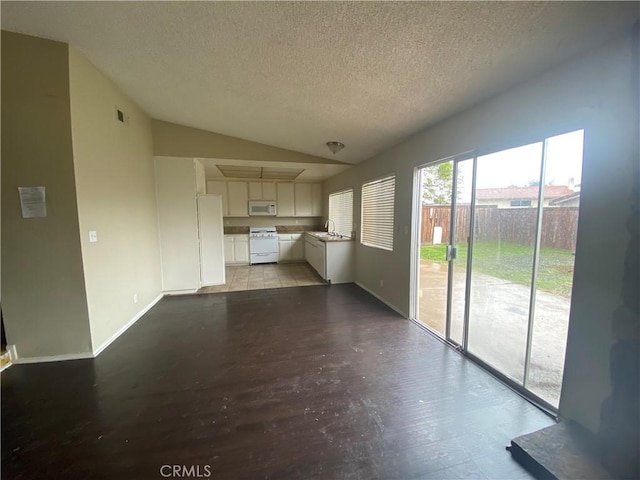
[[240, 230], [270, 221]]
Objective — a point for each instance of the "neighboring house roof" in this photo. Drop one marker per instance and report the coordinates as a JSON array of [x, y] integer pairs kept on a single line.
[[509, 193], [565, 199]]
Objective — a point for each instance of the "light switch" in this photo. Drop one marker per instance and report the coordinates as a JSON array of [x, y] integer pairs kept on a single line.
[[93, 236]]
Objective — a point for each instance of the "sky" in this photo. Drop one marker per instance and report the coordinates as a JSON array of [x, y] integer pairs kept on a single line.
[[521, 165]]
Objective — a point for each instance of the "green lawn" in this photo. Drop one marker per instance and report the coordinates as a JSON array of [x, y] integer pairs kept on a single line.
[[513, 262]]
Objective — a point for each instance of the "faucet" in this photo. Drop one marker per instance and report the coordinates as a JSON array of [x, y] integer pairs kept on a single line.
[[326, 225]]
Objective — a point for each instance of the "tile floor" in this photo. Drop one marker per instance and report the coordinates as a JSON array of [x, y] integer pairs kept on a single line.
[[272, 275]]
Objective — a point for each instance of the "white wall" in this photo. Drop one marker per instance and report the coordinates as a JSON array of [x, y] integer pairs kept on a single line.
[[596, 92], [43, 293], [116, 198]]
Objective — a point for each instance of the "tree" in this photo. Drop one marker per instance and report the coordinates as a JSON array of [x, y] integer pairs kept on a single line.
[[437, 182]]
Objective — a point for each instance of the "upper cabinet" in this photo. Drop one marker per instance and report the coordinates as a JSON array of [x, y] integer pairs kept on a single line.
[[316, 200], [269, 191], [219, 188], [262, 191], [285, 200], [292, 199], [303, 207], [238, 198]]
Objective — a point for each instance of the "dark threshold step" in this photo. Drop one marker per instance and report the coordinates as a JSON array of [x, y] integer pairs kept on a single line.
[[564, 451]]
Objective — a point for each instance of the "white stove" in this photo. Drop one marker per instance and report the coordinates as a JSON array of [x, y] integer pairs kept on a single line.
[[263, 245]]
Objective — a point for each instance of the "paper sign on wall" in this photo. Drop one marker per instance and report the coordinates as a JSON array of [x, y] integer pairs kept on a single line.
[[33, 202]]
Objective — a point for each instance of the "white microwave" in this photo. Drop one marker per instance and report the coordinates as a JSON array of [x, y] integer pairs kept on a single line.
[[258, 207]]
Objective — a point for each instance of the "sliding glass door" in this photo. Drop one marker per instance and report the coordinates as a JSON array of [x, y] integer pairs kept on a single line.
[[504, 238], [497, 256], [445, 196]]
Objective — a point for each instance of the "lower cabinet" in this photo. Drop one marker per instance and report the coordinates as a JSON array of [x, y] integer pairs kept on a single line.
[[333, 260], [236, 249], [290, 247], [314, 251]]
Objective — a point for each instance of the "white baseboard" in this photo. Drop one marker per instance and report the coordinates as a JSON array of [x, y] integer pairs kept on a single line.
[[125, 327], [180, 292], [391, 306], [53, 358]]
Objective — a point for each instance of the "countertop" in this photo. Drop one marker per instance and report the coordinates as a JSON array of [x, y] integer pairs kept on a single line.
[[229, 230], [324, 237]]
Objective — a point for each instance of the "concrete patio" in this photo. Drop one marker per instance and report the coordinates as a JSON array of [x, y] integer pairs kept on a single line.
[[498, 324]]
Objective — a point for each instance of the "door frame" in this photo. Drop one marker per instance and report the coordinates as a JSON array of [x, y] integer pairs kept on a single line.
[[415, 256], [416, 229]]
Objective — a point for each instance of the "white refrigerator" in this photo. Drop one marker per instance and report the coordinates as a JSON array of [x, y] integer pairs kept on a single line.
[[211, 240]]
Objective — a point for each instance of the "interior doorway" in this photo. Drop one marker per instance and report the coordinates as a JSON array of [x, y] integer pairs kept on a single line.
[[494, 257]]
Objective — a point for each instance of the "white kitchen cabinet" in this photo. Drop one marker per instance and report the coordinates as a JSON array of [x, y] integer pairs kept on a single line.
[[316, 200], [238, 199], [297, 247], [241, 248], [236, 249], [303, 204], [284, 248], [314, 251], [333, 260], [255, 190], [290, 247], [285, 200], [217, 187], [269, 191], [229, 253], [262, 191]]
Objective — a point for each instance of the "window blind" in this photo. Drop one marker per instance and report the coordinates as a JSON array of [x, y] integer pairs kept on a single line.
[[341, 211], [377, 213]]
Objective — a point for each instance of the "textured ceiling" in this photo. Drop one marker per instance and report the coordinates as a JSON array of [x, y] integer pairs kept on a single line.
[[297, 74]]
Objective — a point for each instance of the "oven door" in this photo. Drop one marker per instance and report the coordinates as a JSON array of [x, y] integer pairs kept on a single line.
[[260, 245]]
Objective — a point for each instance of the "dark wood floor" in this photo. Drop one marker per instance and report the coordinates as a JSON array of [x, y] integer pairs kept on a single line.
[[308, 382]]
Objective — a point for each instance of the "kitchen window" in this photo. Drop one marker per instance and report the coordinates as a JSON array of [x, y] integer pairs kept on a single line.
[[341, 212], [377, 213]]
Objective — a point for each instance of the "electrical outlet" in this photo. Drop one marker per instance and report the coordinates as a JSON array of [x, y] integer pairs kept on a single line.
[[135, 298], [93, 236], [381, 283]]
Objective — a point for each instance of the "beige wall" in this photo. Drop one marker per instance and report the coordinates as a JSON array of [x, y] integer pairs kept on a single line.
[[43, 292], [173, 140], [116, 198], [596, 92]]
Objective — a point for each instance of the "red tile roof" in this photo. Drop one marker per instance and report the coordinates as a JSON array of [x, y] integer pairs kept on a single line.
[[521, 193]]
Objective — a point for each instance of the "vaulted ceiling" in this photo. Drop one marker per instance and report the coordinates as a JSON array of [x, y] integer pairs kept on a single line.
[[298, 74]]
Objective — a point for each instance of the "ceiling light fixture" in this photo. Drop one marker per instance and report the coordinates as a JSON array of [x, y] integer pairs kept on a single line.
[[335, 147]]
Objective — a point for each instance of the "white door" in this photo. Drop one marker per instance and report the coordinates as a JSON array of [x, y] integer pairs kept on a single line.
[[211, 240]]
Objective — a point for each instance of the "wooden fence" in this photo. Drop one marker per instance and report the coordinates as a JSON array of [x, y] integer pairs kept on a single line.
[[511, 225]]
